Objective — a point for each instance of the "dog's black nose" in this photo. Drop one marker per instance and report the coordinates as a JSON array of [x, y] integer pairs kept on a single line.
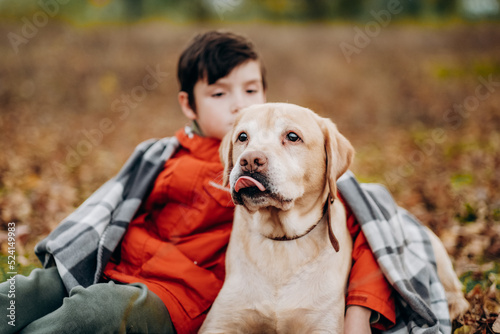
[[253, 161]]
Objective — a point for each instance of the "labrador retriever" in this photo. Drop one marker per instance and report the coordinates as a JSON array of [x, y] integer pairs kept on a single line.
[[289, 253]]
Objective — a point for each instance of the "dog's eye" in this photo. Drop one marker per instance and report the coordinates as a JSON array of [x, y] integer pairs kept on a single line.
[[243, 137], [292, 136]]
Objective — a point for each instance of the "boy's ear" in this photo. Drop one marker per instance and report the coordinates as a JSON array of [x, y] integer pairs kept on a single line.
[[183, 98], [226, 157]]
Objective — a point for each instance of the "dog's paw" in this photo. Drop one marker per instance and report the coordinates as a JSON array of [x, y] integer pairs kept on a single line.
[[457, 304]]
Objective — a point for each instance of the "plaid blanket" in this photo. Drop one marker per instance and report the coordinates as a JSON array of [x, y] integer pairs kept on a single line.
[[82, 244], [405, 256]]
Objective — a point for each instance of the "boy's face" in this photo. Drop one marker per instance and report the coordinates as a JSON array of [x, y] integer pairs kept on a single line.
[[218, 104]]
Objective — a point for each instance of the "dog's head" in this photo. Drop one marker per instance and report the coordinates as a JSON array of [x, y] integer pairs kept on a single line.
[[278, 155]]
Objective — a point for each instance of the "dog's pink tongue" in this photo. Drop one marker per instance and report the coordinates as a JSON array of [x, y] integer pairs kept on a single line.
[[246, 182]]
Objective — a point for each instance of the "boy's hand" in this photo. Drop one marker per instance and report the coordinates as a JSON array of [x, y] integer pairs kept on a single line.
[[357, 320]]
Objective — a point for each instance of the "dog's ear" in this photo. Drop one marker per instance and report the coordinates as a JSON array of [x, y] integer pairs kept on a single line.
[[226, 157], [339, 154]]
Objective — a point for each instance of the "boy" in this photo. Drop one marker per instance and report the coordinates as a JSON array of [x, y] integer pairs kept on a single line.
[[170, 264], [191, 214]]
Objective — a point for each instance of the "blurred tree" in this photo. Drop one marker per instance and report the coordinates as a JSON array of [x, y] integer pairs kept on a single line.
[[349, 8], [133, 10], [412, 8], [198, 10], [275, 9], [319, 9], [272, 10], [445, 7]]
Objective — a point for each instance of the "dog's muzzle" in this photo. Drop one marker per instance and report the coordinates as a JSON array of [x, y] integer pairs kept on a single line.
[[250, 186]]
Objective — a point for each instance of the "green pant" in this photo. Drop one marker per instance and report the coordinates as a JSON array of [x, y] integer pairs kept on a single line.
[[42, 305]]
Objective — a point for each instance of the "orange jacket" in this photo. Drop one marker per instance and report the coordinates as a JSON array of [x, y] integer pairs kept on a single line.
[[176, 243], [367, 285]]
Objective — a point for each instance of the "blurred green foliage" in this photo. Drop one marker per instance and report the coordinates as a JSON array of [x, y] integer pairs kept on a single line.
[[92, 11], [20, 269], [469, 215], [474, 69], [484, 279]]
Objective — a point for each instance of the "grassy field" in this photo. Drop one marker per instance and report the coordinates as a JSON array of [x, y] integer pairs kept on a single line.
[[421, 105]]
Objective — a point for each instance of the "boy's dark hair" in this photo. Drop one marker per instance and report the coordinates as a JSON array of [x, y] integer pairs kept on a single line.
[[213, 55]]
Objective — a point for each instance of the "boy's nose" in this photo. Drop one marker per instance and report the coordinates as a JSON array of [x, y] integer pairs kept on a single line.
[[235, 109], [239, 102], [237, 105]]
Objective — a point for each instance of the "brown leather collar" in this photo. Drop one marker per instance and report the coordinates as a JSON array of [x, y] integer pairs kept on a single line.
[[326, 212]]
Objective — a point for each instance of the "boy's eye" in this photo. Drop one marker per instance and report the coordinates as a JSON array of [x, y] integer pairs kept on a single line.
[[218, 94], [251, 91], [292, 136], [243, 137]]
